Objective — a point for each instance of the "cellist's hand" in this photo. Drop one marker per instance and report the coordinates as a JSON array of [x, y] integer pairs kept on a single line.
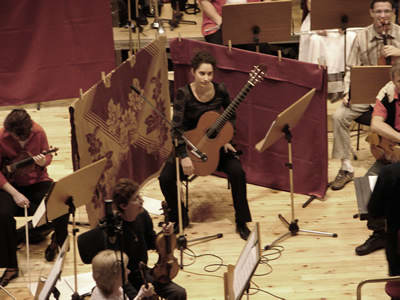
[[168, 229], [40, 160], [145, 292]]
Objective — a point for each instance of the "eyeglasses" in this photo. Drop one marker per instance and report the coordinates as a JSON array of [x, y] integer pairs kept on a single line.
[[385, 12]]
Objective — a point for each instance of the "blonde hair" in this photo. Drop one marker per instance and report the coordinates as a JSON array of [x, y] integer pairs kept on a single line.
[[106, 270]]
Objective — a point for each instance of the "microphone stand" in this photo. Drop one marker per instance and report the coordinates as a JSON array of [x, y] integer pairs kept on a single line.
[[181, 240]]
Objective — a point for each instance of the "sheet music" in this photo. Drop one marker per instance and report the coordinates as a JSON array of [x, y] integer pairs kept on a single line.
[[246, 264], [372, 181], [152, 205], [39, 216]]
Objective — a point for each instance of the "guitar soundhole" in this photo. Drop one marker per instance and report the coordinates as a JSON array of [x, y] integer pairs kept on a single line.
[[211, 133]]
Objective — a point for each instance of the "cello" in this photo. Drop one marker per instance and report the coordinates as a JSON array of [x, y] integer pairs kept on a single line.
[[167, 266]]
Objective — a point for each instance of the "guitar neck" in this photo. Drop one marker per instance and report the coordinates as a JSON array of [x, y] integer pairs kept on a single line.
[[230, 110]]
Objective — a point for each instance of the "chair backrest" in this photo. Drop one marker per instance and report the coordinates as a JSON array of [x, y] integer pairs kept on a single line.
[[392, 288]]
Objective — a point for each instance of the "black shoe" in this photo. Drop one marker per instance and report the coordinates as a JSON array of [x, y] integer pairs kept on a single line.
[[243, 230], [373, 243], [52, 249], [8, 275]]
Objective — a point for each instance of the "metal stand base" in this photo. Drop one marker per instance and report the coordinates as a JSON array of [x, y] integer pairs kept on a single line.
[[294, 229]]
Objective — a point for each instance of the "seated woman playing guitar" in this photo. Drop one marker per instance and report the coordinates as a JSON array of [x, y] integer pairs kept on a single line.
[[25, 189], [385, 124], [199, 97]]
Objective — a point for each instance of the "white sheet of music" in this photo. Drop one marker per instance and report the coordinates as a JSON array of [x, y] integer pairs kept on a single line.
[[372, 181], [244, 268], [38, 217]]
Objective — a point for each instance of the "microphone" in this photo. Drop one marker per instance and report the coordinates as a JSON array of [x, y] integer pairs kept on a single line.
[[109, 220]]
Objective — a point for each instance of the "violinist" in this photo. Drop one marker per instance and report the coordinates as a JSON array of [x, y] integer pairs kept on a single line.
[[22, 136], [386, 123], [367, 49], [138, 236]]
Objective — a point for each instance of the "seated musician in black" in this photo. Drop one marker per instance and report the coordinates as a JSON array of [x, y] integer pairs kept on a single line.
[[192, 101], [138, 237], [21, 138], [385, 204], [386, 123]]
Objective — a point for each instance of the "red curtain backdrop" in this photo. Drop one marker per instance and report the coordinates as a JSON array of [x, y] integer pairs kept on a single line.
[[111, 120], [50, 49], [284, 83]]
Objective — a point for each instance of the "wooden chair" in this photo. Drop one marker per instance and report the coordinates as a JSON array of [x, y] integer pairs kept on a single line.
[[392, 287]]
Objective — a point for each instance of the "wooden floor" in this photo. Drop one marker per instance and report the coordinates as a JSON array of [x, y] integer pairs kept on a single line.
[[304, 267]]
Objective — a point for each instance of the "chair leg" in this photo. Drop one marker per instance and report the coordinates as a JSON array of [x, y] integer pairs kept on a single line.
[[358, 136]]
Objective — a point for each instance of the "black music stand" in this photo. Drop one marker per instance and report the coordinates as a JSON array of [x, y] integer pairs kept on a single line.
[[334, 14], [71, 192], [282, 126], [256, 22]]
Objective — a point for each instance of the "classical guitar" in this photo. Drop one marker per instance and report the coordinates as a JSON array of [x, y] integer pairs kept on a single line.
[[213, 129], [10, 168], [383, 149]]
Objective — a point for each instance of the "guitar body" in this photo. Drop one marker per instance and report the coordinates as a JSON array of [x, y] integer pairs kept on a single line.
[[209, 146], [383, 149]]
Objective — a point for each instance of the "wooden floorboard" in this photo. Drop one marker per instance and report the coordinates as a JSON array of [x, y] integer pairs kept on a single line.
[[306, 266]]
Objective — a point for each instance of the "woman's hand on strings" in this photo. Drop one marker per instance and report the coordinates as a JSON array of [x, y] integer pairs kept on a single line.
[[229, 147]]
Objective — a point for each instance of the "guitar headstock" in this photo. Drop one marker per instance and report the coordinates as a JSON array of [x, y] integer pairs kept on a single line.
[[257, 74]]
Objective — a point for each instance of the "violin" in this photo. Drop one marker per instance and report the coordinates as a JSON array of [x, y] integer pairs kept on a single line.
[[24, 162], [383, 149], [142, 268], [167, 266], [382, 59]]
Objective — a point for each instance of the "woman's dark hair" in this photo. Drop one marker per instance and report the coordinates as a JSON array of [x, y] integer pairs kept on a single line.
[[19, 122], [375, 1], [305, 8], [203, 57], [123, 191]]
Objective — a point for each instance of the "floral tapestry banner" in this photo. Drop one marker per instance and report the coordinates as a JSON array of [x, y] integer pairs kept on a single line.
[[111, 120]]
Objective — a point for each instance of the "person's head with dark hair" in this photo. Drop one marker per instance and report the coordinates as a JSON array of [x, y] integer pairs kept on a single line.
[[203, 57], [19, 124], [381, 11], [372, 3], [203, 67], [305, 6], [127, 199]]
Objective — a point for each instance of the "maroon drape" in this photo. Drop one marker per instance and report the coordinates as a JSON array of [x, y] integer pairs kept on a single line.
[[50, 49], [284, 83]]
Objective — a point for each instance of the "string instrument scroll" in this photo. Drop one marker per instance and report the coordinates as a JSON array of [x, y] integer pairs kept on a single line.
[[167, 266]]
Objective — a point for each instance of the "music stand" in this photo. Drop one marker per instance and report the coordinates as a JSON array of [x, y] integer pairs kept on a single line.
[[366, 82], [54, 275], [73, 191], [333, 14], [282, 126], [237, 278], [256, 22]]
